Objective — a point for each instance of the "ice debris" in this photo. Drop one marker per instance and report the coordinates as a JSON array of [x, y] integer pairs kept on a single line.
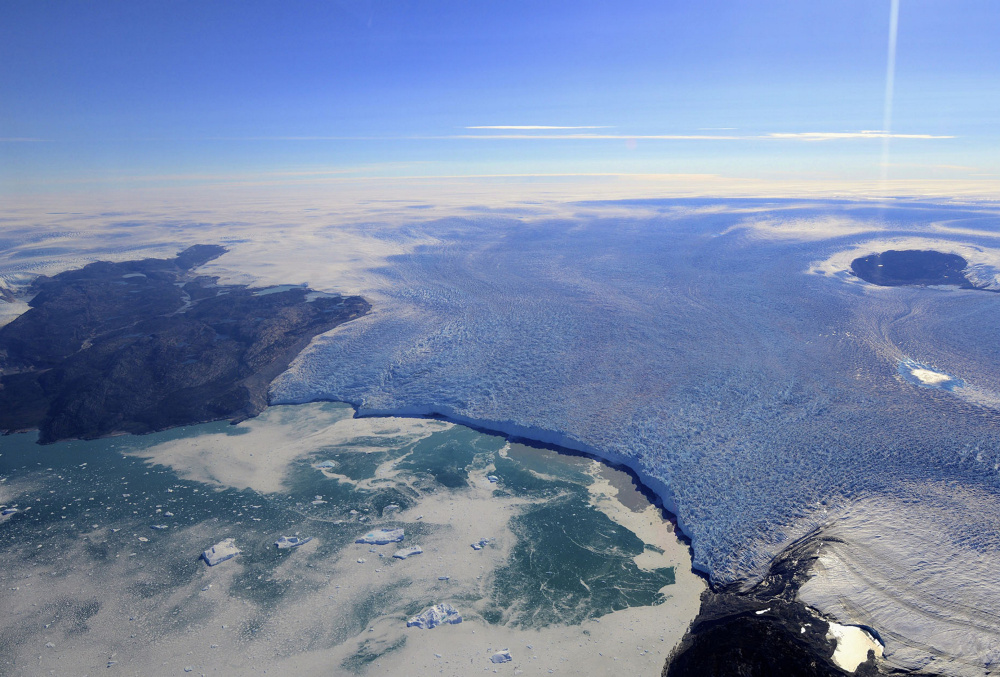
[[435, 616], [480, 544], [381, 536], [501, 657], [493, 479], [389, 509], [158, 527], [407, 552], [220, 552], [286, 542]]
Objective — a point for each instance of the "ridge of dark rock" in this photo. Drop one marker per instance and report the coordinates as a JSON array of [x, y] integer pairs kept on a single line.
[[139, 346], [765, 631]]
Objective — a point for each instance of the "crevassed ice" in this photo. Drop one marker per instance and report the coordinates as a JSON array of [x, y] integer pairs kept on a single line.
[[755, 398]]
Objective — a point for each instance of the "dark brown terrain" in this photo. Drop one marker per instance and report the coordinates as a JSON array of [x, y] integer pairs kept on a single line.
[[765, 631], [140, 346]]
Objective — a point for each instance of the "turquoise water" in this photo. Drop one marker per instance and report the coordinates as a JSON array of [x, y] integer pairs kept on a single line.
[[86, 505]]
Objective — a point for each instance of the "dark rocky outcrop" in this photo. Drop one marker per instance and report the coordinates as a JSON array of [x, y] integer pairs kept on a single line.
[[729, 638], [145, 345]]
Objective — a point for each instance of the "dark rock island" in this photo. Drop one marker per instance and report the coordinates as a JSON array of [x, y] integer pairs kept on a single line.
[[912, 267], [140, 346], [764, 631]]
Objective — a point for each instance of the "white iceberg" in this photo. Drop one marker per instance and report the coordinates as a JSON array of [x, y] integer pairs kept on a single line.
[[381, 536], [435, 616], [480, 544], [220, 552], [407, 552], [501, 657], [286, 542]]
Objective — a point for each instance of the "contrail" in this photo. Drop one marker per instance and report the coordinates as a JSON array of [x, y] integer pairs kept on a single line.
[[890, 78]]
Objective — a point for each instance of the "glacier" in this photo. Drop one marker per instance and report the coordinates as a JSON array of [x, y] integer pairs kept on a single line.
[[724, 352]]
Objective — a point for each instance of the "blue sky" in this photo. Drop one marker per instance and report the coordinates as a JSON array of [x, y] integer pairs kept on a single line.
[[108, 93]]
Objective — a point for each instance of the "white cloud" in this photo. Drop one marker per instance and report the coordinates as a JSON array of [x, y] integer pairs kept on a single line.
[[806, 229], [788, 136], [623, 137], [538, 127], [863, 134]]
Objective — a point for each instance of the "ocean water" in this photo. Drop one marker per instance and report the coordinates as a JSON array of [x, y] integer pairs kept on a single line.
[[100, 563], [725, 353]]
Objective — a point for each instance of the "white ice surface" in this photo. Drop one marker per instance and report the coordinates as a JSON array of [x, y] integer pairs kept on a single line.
[[853, 645]]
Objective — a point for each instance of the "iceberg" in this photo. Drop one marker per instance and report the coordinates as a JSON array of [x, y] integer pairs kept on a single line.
[[407, 552], [435, 616], [286, 542], [480, 544], [220, 552], [381, 537], [501, 657]]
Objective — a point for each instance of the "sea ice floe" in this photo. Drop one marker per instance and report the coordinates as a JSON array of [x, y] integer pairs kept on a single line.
[[286, 542], [435, 616], [381, 536], [220, 552], [501, 657], [407, 552]]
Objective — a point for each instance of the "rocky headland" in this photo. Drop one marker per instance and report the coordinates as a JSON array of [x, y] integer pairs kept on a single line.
[[140, 346]]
